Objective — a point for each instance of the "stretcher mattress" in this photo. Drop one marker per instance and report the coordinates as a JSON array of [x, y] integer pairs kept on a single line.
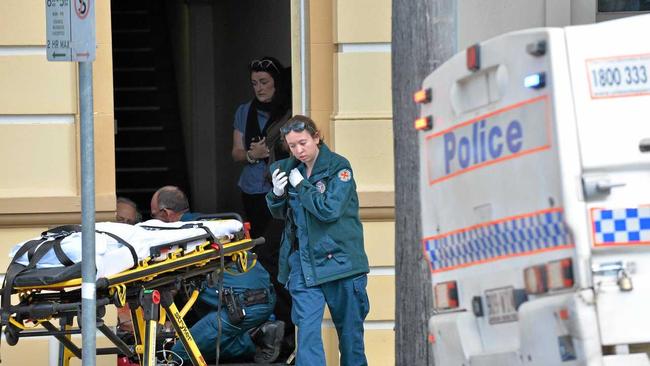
[[112, 257]]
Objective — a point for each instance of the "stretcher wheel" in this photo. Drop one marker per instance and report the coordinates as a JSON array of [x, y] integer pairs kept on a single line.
[[101, 311], [11, 335], [117, 300], [119, 296]]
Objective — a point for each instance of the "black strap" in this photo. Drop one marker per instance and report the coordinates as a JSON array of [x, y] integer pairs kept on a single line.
[[61, 256], [35, 250], [51, 240], [185, 226], [29, 247], [63, 230], [207, 230], [42, 250], [54, 233], [134, 255], [14, 270], [30, 252], [189, 225]]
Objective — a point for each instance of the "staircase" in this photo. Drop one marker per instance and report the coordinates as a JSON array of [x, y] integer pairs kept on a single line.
[[149, 148]]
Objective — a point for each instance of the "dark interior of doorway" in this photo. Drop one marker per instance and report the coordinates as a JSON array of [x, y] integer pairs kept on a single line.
[[169, 75], [148, 152]]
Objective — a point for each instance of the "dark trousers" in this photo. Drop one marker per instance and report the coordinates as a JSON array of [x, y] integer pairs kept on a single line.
[[263, 224]]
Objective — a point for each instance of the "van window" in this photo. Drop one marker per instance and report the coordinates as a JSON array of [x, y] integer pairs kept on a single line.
[[605, 6]]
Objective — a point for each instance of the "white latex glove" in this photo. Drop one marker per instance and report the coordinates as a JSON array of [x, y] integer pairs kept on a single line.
[[279, 180], [295, 177]]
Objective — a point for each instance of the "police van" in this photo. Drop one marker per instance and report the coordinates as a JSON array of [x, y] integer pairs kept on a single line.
[[535, 195]]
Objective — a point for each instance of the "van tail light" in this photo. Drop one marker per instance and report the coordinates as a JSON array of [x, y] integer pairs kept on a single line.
[[473, 57], [555, 275], [422, 96], [247, 230], [535, 280], [446, 295], [424, 123], [560, 274]]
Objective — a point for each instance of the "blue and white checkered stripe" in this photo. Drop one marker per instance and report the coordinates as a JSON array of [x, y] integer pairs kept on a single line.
[[621, 226], [495, 240]]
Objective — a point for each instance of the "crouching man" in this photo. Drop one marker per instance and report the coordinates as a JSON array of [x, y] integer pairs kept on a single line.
[[245, 331]]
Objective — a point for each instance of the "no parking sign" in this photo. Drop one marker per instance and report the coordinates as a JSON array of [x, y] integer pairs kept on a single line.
[[70, 30]]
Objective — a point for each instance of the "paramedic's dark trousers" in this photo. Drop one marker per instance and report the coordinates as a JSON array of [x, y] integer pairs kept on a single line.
[[235, 339], [348, 303]]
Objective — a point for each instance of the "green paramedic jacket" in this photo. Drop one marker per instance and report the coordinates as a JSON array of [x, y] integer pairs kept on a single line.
[[331, 209]]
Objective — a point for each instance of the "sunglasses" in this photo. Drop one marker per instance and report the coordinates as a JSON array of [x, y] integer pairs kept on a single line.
[[295, 127], [263, 65]]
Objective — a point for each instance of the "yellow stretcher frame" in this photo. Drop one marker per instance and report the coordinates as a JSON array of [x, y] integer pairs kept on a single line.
[[151, 281]]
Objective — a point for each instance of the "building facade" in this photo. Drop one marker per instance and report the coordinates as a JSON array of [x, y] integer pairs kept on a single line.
[[39, 140], [341, 66]]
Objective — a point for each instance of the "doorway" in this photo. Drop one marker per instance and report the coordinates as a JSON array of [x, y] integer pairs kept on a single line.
[[180, 72]]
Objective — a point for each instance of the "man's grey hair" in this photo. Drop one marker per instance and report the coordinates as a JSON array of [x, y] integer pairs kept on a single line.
[[138, 215], [171, 197]]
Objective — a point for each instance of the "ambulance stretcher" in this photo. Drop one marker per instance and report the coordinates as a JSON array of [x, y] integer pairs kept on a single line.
[[194, 253]]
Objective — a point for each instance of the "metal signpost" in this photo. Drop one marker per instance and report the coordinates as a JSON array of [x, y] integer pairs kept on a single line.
[[71, 37]]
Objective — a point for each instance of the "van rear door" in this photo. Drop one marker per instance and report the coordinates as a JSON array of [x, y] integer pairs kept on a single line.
[[610, 76]]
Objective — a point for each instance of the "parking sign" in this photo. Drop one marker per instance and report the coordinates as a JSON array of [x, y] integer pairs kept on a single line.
[[70, 30]]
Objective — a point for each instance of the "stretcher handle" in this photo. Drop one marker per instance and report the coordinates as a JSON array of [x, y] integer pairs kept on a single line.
[[224, 215], [258, 241]]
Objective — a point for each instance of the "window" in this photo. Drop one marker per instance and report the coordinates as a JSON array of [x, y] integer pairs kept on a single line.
[[605, 6]]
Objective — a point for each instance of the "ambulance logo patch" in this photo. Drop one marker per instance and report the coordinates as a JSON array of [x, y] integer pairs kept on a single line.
[[321, 186], [345, 175]]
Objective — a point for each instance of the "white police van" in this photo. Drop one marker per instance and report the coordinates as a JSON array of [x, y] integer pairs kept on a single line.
[[535, 194]]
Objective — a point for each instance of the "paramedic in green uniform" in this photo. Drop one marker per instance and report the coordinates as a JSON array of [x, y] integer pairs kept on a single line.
[[322, 259]]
